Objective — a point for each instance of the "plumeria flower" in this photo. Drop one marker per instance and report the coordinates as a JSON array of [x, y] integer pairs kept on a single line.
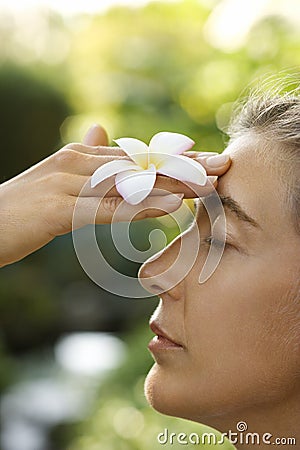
[[135, 178]]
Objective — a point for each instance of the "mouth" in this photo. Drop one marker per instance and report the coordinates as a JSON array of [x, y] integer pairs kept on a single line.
[[162, 340]]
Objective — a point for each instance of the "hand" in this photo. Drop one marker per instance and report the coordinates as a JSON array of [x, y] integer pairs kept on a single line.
[[38, 204]]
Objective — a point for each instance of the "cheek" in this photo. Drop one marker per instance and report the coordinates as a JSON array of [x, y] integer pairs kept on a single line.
[[236, 326]]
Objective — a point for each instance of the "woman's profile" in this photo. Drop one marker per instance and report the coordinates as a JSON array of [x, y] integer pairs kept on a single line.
[[228, 350]]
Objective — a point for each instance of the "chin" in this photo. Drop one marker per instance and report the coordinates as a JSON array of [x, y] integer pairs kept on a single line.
[[165, 395], [175, 397], [160, 398], [173, 403]]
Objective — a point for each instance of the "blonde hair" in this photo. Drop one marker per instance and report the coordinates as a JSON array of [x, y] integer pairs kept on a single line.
[[274, 115]]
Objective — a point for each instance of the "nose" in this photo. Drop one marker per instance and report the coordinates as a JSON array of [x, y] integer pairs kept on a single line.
[[165, 271]]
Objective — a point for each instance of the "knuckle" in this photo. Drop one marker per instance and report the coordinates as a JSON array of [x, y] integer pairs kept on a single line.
[[68, 184], [64, 158], [174, 182], [61, 178], [48, 181], [102, 150], [56, 179], [110, 204], [72, 146], [145, 214]]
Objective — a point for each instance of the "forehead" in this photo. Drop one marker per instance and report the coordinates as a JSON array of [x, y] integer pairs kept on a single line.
[[253, 182]]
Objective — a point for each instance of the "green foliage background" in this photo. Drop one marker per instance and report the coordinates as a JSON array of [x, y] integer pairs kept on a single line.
[[137, 71]]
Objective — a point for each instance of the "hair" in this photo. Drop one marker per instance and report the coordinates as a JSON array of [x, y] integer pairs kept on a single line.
[[274, 115]]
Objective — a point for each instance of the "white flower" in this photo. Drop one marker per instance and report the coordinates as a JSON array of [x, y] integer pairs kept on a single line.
[[135, 178]]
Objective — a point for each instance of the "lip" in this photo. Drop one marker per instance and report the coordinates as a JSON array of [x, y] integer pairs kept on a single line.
[[162, 340]]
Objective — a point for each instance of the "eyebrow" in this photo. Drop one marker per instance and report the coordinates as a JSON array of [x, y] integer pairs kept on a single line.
[[233, 206]]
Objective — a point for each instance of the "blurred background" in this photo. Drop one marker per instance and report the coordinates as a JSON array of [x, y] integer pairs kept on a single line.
[[73, 357]]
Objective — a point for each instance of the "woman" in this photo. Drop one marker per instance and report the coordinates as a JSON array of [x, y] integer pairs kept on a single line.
[[228, 350]]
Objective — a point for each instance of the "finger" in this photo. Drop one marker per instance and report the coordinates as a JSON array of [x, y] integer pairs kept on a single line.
[[216, 164], [96, 135], [80, 185], [68, 160], [190, 190], [75, 185], [92, 210], [95, 150], [193, 154]]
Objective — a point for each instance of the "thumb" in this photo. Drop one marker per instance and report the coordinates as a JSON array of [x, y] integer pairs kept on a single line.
[[96, 135]]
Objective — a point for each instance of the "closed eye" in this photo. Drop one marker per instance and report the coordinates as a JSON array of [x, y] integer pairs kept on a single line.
[[210, 240]]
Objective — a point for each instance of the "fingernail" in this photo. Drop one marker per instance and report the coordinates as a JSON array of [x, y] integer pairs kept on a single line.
[[193, 154], [217, 160]]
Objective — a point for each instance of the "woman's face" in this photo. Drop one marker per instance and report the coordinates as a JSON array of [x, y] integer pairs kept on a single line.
[[240, 330]]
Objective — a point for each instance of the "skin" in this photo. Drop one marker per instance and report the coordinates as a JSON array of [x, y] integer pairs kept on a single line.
[[240, 330], [37, 205]]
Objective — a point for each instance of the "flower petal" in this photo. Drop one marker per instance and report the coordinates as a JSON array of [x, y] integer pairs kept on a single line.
[[184, 169], [170, 143], [136, 149], [136, 186], [111, 168]]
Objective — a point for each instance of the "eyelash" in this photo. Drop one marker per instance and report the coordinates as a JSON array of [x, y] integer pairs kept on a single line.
[[212, 241]]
